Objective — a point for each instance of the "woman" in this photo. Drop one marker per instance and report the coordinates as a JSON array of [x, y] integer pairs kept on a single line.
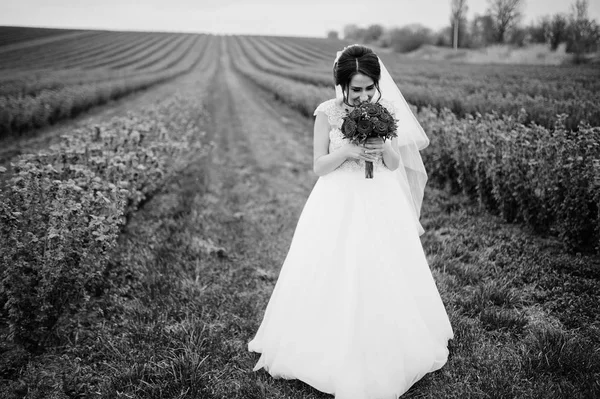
[[355, 311]]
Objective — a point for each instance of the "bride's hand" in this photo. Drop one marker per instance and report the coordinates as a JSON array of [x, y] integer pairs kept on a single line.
[[375, 145], [364, 153]]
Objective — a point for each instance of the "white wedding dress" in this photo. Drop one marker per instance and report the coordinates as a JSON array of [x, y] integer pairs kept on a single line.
[[355, 311]]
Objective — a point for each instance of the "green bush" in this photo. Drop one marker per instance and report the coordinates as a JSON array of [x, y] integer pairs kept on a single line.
[[56, 237], [61, 210], [546, 178], [21, 113]]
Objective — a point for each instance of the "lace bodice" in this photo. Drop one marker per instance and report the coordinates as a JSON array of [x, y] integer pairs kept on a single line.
[[335, 114]]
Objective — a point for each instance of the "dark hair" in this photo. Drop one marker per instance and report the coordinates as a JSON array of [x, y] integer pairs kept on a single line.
[[353, 60]]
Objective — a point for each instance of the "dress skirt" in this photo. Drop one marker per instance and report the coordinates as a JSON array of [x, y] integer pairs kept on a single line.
[[355, 311]]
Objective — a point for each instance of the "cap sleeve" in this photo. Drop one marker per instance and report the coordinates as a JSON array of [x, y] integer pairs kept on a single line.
[[323, 107]]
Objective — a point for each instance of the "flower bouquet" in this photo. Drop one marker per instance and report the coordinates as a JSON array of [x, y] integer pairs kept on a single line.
[[365, 121]]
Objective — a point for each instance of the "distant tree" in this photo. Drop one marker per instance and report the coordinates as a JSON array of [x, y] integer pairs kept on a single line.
[[557, 30], [332, 34], [482, 31], [373, 33], [583, 32], [462, 34], [458, 22], [443, 37], [385, 40], [505, 14], [410, 38], [354, 32], [519, 37], [536, 31]]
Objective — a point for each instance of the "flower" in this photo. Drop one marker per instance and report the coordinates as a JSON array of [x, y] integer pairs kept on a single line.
[[368, 120], [381, 128], [364, 127], [373, 110], [385, 117], [349, 127]]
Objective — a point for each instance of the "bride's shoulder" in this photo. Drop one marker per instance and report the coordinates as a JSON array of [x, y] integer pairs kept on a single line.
[[327, 105], [333, 102]]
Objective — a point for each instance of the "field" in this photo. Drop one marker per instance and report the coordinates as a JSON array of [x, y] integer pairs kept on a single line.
[[151, 183]]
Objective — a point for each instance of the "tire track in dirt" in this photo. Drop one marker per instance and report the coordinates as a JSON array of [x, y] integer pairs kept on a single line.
[[262, 162], [259, 178]]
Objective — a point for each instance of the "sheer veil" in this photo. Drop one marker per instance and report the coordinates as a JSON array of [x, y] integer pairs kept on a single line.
[[411, 174]]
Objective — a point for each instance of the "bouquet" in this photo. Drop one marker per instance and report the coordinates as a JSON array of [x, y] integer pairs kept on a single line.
[[365, 121]]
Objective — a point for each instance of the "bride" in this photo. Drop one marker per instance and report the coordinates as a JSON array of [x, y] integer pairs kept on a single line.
[[355, 311]]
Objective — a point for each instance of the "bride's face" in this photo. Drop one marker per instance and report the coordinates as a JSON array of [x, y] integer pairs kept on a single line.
[[361, 89]]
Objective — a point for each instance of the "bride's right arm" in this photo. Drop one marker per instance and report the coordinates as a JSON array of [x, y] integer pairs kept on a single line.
[[323, 161]]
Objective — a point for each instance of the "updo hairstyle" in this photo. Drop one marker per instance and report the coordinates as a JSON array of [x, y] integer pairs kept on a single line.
[[353, 60]]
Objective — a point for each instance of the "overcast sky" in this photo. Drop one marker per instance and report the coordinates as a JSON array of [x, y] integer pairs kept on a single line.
[[261, 17]]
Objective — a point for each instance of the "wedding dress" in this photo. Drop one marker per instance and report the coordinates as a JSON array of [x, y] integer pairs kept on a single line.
[[355, 311]]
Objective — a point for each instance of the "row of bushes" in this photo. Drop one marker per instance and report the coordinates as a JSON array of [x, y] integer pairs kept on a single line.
[[541, 110], [302, 97], [23, 113], [267, 61], [546, 178], [61, 210], [22, 82], [505, 89]]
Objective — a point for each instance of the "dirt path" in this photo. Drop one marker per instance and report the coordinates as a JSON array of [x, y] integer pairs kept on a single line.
[[263, 154]]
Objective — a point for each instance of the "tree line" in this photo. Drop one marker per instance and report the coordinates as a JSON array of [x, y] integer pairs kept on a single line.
[[500, 24]]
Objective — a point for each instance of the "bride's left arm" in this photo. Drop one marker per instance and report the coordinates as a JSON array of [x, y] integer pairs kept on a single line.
[[391, 155]]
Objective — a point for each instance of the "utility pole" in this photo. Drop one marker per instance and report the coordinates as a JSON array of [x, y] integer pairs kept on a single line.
[[458, 11], [455, 41]]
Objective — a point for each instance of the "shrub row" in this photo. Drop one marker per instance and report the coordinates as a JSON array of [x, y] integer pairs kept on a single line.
[[548, 179], [302, 97], [264, 58], [22, 113], [70, 50], [61, 210], [540, 109], [22, 83], [16, 34], [467, 89]]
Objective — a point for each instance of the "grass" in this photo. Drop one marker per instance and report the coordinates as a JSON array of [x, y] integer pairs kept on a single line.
[[512, 294], [176, 322]]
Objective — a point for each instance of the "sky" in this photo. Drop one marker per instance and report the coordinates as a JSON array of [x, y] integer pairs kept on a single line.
[[313, 18]]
